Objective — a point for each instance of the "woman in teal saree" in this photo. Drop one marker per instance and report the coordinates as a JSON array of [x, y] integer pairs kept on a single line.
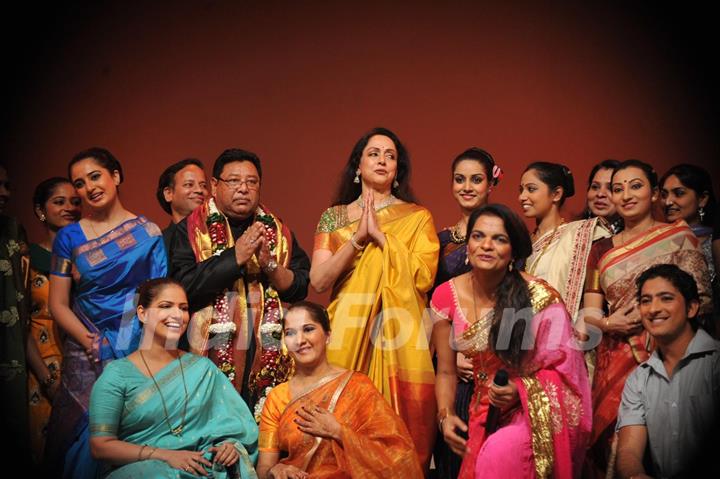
[[164, 413]]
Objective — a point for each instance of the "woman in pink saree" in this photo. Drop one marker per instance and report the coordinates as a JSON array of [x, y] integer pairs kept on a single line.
[[545, 409]]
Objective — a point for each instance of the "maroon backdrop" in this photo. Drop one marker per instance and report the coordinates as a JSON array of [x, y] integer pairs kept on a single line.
[[298, 84]]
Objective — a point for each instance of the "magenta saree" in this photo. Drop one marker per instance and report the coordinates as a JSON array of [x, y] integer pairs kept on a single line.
[[546, 433]]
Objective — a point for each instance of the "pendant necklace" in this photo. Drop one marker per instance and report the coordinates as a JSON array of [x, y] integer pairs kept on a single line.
[[176, 431]]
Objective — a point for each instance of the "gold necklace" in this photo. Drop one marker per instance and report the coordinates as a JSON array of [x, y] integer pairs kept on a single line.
[[455, 235], [531, 269], [176, 431], [125, 218], [387, 201]]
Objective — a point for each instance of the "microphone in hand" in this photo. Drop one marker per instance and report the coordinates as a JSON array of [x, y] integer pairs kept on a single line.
[[493, 415]]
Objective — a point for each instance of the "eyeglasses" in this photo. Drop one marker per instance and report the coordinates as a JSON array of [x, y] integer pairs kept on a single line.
[[235, 183]]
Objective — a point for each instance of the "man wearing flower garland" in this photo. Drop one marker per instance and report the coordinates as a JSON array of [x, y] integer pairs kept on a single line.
[[237, 261]]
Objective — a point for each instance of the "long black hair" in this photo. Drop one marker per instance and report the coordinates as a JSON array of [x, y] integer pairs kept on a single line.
[[512, 294], [348, 190]]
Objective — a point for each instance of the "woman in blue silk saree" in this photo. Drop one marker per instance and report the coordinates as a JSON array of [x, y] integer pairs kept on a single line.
[[162, 413], [96, 266]]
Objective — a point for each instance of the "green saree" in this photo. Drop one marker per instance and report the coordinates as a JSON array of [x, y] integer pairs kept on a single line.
[[125, 404]]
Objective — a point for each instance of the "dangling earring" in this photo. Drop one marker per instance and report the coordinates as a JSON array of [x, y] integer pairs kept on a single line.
[[357, 177], [701, 213], [510, 266], [42, 218], [395, 183], [467, 260]]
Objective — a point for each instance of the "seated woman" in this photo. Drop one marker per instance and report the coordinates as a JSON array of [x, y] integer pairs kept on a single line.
[[161, 412], [328, 421], [502, 318]]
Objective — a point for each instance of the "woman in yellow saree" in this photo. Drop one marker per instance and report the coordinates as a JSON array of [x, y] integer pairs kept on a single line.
[[330, 422], [379, 253]]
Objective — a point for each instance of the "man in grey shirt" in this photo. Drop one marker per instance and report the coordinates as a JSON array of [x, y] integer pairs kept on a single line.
[[670, 402]]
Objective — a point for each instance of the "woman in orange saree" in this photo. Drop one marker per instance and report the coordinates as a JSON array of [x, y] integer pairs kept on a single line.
[[330, 422], [613, 267], [378, 251]]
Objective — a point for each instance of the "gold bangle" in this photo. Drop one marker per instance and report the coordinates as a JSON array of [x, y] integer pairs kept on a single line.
[[355, 244], [141, 450], [151, 453], [607, 322]]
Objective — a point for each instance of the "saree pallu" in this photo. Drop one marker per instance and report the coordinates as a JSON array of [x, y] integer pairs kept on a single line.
[[127, 405], [546, 434], [377, 312], [44, 332], [560, 258], [106, 271], [615, 275], [375, 441]]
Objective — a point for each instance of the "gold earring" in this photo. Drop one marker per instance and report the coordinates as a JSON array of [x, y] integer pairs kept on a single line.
[[42, 217]]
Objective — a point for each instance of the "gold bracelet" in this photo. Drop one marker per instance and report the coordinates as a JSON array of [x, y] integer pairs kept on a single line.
[[151, 453], [141, 450], [607, 322], [355, 244]]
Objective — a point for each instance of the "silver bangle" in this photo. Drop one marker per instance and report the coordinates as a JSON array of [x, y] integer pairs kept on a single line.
[[355, 244]]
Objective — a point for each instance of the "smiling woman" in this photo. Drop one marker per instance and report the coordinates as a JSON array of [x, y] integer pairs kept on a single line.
[[143, 420], [353, 431], [97, 264], [613, 266], [560, 249]]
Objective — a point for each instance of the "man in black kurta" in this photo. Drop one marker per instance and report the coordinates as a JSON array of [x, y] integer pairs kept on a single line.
[[260, 265]]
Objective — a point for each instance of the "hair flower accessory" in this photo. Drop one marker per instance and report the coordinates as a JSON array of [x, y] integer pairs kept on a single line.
[[497, 173]]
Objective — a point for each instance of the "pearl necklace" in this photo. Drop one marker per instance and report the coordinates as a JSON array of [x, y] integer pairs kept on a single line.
[[386, 202]]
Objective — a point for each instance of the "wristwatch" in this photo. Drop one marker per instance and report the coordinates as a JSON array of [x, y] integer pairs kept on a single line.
[[271, 266]]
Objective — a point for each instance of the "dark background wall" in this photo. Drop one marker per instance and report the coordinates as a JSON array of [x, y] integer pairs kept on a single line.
[[298, 83]]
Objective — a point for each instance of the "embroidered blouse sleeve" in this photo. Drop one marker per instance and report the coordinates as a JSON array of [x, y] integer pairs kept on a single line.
[[62, 254]]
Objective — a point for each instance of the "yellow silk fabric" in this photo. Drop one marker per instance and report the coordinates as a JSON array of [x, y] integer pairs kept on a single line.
[[378, 314]]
